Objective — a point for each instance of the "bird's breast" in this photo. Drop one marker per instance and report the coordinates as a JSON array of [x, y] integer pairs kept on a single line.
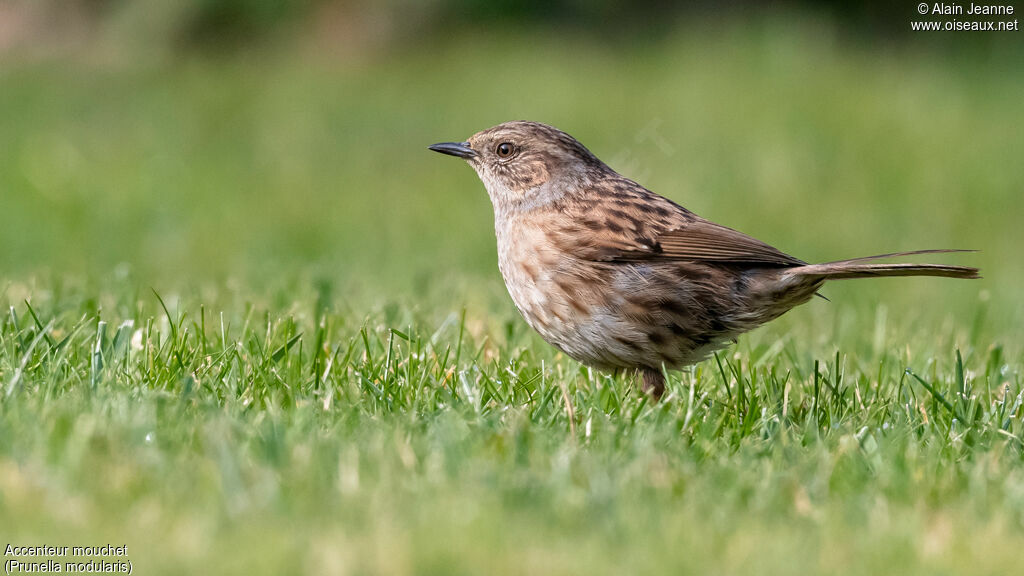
[[564, 299], [527, 264]]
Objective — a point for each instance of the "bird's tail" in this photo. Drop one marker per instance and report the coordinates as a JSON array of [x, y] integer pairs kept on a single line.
[[866, 268]]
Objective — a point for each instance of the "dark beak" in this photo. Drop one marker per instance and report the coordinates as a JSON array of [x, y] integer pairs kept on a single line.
[[460, 149]]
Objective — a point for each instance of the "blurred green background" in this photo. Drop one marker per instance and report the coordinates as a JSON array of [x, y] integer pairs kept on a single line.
[[269, 153], [264, 141]]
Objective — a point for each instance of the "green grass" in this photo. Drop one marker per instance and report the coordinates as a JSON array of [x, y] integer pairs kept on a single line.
[[251, 325], [273, 440]]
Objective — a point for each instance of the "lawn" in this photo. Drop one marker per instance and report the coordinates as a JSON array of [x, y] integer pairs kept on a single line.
[[251, 325]]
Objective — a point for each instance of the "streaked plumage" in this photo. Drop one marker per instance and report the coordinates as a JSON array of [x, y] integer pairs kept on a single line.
[[618, 277]]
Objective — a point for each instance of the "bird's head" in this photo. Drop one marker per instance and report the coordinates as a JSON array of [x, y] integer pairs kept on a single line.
[[525, 165]]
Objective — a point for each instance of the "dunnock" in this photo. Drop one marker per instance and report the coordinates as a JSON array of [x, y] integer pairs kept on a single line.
[[618, 277]]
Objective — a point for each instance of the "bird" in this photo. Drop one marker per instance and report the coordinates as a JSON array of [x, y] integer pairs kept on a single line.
[[620, 278]]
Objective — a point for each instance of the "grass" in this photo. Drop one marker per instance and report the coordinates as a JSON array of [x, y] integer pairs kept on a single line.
[[251, 440], [251, 326]]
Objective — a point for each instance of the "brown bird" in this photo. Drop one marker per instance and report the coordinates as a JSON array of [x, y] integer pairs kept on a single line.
[[618, 277]]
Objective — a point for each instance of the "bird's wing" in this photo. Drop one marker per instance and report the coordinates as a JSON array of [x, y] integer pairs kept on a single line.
[[702, 240], [633, 224]]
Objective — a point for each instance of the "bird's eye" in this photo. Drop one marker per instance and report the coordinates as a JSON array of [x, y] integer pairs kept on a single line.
[[504, 150]]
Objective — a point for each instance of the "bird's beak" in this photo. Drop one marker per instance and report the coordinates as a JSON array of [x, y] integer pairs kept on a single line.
[[460, 149]]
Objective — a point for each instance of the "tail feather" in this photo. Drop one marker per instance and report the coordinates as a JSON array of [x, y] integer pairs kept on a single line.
[[901, 254], [863, 268]]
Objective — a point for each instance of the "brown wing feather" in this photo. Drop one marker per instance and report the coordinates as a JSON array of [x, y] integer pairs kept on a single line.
[[632, 224], [705, 241]]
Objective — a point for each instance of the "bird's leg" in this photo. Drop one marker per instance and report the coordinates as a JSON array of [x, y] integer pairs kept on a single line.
[[652, 382]]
